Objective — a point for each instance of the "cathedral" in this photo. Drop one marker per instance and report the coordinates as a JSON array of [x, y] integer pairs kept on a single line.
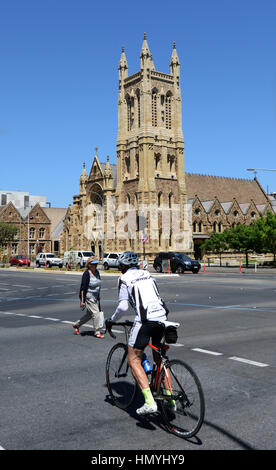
[[145, 202]]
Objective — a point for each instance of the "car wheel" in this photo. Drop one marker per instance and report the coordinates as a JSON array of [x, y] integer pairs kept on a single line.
[[60, 266], [106, 267], [195, 271], [158, 268], [180, 270], [48, 264], [37, 264]]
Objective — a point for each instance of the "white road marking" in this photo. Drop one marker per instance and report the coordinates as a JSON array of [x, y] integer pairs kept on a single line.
[[247, 361], [207, 352]]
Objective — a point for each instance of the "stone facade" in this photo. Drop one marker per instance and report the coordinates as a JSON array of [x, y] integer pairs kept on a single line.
[[146, 195], [43, 226]]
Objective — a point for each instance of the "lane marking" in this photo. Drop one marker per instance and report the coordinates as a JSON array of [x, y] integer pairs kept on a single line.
[[205, 351], [247, 361]]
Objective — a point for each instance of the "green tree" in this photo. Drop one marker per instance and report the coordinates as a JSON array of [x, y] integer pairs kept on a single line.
[[7, 232], [266, 230], [215, 244], [243, 239]]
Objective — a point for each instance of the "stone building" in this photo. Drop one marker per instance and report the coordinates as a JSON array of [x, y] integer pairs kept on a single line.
[[145, 197], [145, 202], [39, 228]]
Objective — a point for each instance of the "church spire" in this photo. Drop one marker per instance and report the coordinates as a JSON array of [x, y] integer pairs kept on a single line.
[[123, 66], [146, 60], [175, 63]]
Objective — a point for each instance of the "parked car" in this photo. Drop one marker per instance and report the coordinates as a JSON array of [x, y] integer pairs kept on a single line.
[[77, 258], [110, 260], [20, 260], [179, 262], [49, 260]]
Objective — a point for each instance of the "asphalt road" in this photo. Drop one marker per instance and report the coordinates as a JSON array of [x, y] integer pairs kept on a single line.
[[52, 383]]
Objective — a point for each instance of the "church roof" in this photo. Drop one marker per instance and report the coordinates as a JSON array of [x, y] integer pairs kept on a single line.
[[208, 187]]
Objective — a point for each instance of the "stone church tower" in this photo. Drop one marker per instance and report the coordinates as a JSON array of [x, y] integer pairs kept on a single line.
[[150, 154], [144, 196]]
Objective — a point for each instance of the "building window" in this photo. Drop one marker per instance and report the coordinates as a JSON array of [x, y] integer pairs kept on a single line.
[[154, 108], [220, 227], [200, 227], [159, 199], [215, 226], [160, 237], [170, 200], [3, 199], [14, 248], [138, 108], [168, 109], [194, 226], [42, 233], [253, 215], [32, 232]]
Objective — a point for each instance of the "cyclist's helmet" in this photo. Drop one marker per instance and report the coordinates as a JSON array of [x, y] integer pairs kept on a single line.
[[129, 259]]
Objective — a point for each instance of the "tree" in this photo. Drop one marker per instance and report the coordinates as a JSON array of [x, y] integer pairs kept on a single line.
[[215, 244], [243, 238], [7, 232], [266, 229]]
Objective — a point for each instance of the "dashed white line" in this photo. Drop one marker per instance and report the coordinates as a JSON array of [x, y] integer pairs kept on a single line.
[[52, 319], [205, 351], [247, 361]]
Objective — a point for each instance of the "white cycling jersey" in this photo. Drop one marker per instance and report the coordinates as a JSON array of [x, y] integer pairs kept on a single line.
[[138, 287]]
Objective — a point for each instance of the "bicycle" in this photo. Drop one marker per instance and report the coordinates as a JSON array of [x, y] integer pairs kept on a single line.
[[174, 385]]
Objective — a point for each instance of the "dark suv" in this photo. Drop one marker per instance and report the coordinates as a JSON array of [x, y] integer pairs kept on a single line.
[[179, 263]]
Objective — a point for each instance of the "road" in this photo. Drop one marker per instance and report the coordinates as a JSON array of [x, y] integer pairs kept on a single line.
[[53, 392]]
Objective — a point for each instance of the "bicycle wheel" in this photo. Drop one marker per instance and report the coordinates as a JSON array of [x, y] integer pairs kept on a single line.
[[120, 381], [183, 411]]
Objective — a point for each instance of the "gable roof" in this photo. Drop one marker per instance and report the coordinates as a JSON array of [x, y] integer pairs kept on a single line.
[[208, 187]]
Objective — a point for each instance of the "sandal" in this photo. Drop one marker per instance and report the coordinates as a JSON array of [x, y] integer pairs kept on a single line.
[[76, 328], [99, 335]]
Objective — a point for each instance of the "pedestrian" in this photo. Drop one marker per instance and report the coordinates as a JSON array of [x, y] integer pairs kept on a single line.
[[90, 297]]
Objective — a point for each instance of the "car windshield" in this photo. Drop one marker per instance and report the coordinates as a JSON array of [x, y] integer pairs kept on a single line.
[[50, 256], [183, 256], [88, 253]]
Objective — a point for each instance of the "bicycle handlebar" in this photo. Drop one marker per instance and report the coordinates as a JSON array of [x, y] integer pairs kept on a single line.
[[111, 323]]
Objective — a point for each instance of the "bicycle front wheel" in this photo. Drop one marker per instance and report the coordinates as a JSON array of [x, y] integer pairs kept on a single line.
[[182, 407], [119, 379]]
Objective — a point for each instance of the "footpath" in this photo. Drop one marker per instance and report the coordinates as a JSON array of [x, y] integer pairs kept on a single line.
[[204, 270]]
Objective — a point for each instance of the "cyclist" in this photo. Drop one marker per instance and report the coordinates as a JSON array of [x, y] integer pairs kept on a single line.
[[137, 288]]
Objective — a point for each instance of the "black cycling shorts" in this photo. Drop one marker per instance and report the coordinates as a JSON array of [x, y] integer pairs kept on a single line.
[[141, 333]]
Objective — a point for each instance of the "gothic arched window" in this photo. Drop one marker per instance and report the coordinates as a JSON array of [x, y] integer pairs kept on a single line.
[[168, 111], [154, 107]]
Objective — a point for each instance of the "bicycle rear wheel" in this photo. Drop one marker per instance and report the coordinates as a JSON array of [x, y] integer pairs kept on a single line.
[[183, 411], [119, 379]]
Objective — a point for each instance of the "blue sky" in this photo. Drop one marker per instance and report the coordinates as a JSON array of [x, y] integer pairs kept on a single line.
[[59, 85]]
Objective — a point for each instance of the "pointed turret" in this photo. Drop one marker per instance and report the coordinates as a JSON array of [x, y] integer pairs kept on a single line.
[[83, 179], [123, 66], [175, 63], [146, 60]]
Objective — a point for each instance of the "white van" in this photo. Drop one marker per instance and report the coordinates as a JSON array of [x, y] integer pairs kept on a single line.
[[76, 259]]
